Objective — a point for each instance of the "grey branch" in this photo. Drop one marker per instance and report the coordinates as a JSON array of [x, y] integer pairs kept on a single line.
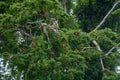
[[108, 53], [104, 19], [99, 49], [101, 61], [96, 44]]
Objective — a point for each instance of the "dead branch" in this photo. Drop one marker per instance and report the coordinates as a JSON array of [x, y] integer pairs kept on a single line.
[[108, 53], [106, 16], [43, 29], [101, 61], [96, 44], [99, 49]]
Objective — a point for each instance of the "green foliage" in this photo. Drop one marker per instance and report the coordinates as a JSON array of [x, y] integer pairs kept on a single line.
[[104, 37], [78, 40], [110, 75], [116, 12], [68, 54]]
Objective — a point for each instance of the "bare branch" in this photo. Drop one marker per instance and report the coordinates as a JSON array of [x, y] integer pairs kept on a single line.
[[44, 31], [99, 49], [106, 16], [101, 61], [42, 27], [108, 53], [22, 31]]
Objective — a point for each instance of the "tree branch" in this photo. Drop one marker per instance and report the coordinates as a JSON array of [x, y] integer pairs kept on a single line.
[[106, 16], [36, 22], [43, 29], [89, 47], [101, 61], [22, 31], [108, 53], [96, 44], [99, 49]]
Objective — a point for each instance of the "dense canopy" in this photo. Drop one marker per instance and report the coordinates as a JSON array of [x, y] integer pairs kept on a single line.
[[57, 39]]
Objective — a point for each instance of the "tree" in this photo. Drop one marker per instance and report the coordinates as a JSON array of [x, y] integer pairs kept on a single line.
[[40, 41]]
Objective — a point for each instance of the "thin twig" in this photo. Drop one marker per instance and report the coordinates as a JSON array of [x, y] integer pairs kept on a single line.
[[36, 22], [22, 31]]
